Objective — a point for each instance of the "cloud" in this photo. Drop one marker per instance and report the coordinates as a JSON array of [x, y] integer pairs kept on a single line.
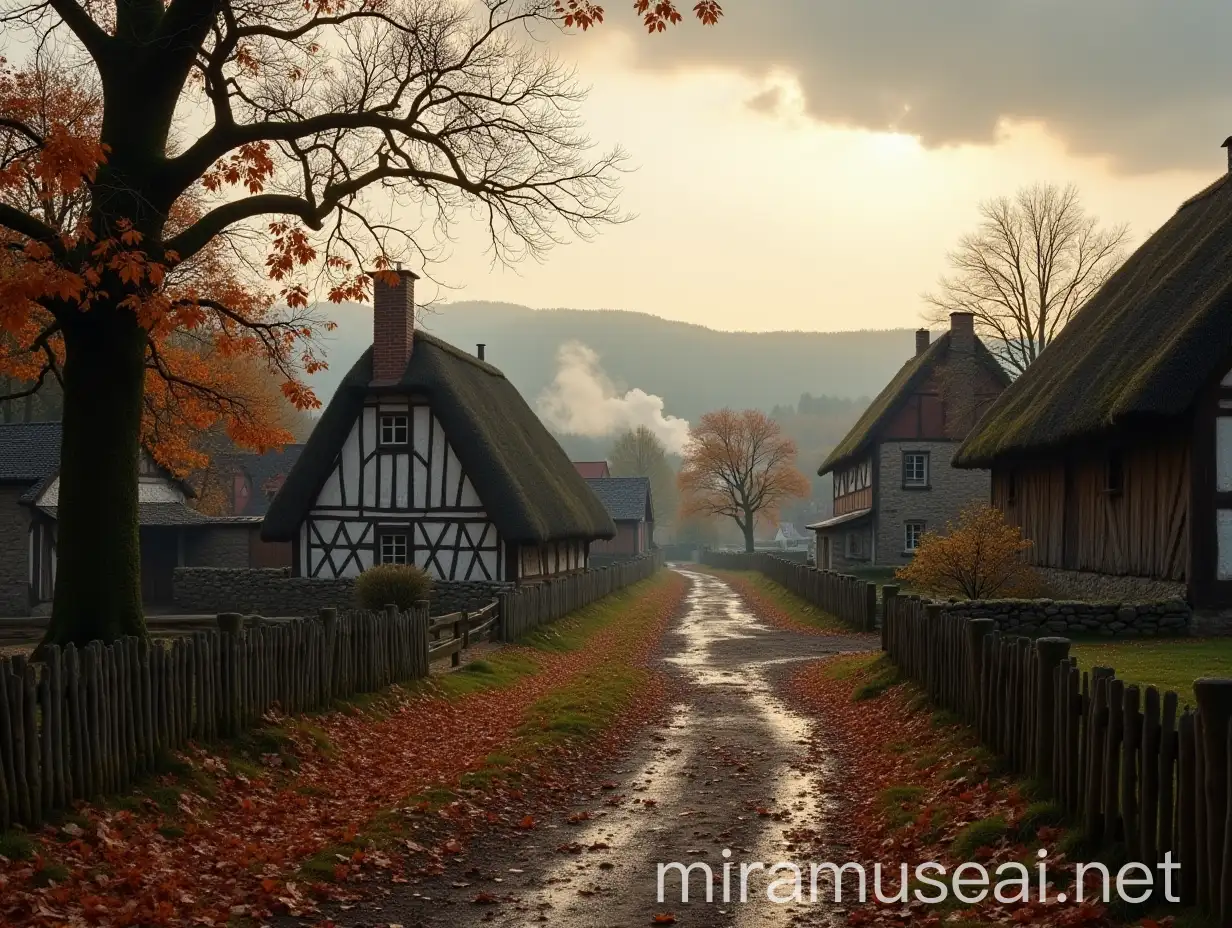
[[582, 400], [1145, 83]]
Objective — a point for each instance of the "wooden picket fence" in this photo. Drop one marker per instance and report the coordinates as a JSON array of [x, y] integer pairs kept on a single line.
[[87, 721], [1134, 765], [533, 604], [847, 598]]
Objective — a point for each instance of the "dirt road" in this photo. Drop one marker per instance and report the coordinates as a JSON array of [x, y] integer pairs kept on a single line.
[[725, 772]]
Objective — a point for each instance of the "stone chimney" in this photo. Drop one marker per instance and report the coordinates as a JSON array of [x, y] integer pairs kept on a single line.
[[922, 338], [1227, 143], [962, 332], [393, 326]]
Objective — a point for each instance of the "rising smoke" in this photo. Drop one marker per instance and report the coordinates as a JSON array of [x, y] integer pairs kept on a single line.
[[583, 400]]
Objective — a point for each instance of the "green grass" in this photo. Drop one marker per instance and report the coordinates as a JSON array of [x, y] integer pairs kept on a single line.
[[798, 609], [1165, 663], [16, 845], [984, 833], [885, 675]]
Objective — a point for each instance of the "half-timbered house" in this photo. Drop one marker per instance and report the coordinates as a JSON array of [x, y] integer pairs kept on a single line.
[[1113, 451], [427, 455], [892, 475]]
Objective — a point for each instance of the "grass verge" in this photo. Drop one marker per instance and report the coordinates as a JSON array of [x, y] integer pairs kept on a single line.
[[785, 606], [1166, 663]]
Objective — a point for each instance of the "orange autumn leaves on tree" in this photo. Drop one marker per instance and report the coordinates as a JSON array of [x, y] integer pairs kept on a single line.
[[656, 15], [979, 557], [207, 328], [741, 466]]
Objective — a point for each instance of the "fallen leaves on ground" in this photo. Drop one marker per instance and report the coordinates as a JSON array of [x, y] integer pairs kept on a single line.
[[773, 613], [233, 843], [906, 783]]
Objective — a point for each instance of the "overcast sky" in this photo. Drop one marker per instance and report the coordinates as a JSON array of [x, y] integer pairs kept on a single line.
[[806, 164]]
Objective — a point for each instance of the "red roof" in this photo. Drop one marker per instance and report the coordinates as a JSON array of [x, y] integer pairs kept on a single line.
[[590, 469]]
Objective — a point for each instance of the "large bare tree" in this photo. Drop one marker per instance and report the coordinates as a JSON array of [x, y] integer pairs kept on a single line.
[[1034, 260]]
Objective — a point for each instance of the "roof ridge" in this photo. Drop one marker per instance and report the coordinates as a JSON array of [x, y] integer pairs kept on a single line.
[[457, 352]]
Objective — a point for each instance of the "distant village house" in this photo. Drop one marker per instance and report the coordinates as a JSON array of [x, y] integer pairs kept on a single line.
[[1113, 451], [892, 475], [427, 455], [628, 501], [172, 533]]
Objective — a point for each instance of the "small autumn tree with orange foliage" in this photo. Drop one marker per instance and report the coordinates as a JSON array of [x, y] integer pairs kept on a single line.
[[207, 169], [741, 466], [979, 557]]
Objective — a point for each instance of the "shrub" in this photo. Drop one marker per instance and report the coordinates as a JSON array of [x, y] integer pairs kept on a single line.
[[978, 558], [400, 584]]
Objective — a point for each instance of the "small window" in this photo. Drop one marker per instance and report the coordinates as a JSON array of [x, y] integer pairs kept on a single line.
[[1115, 483], [915, 468], [912, 533], [393, 549], [855, 544], [394, 430]]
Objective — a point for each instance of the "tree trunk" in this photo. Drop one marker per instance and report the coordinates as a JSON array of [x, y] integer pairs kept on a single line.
[[98, 557], [748, 536]]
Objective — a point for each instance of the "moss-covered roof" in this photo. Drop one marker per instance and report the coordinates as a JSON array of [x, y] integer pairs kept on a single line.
[[909, 378], [531, 490], [1139, 351]]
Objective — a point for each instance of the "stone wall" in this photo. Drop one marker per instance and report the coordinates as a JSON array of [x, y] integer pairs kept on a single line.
[[274, 592], [1035, 617], [14, 553], [949, 490], [218, 545], [1079, 584]]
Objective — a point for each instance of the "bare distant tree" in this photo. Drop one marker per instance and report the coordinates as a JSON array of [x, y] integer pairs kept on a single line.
[[1034, 260]]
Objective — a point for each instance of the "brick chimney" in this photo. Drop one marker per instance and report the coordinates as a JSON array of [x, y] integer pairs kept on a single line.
[[962, 332], [1227, 143], [393, 326], [922, 338]]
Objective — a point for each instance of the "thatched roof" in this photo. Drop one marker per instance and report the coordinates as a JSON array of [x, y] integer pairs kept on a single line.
[[1138, 352], [529, 487], [910, 377]]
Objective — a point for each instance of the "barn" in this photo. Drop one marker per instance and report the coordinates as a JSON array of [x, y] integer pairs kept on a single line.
[[428, 455]]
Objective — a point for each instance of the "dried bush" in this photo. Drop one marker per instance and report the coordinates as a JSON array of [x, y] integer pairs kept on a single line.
[[400, 584]]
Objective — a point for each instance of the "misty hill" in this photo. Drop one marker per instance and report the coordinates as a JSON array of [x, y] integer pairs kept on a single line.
[[694, 369]]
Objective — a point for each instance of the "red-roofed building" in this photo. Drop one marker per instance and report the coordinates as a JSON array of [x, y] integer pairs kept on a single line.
[[592, 469]]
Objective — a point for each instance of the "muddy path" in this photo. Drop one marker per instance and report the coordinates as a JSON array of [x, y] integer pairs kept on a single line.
[[726, 771]]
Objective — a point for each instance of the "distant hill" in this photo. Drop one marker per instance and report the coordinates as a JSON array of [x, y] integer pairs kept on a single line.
[[694, 369]]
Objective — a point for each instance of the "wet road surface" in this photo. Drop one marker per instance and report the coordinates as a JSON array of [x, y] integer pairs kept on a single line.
[[724, 772]]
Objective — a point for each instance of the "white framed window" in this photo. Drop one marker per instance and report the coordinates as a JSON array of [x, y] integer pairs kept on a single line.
[[393, 549], [395, 430], [915, 468], [912, 533]]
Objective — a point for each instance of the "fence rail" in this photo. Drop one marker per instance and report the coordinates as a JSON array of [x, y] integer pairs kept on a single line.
[[1128, 762], [847, 598], [87, 721]]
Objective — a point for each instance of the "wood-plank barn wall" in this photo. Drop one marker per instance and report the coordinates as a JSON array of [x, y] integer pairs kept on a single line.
[[1063, 506]]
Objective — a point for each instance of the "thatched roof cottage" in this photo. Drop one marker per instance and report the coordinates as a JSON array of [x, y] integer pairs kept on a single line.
[[1113, 451], [428, 455]]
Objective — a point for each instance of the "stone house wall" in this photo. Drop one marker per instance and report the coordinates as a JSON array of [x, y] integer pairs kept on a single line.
[[949, 491], [217, 546]]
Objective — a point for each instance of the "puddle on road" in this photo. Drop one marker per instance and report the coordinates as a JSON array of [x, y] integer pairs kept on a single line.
[[722, 647]]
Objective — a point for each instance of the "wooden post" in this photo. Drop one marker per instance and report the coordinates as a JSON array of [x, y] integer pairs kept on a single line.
[[1188, 785], [1050, 653], [1214, 697], [888, 595]]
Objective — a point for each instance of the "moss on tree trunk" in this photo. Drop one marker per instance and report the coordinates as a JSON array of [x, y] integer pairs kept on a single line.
[[98, 557]]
